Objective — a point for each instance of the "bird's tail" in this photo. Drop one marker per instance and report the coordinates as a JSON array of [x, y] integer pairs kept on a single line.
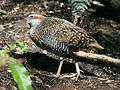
[[96, 45]]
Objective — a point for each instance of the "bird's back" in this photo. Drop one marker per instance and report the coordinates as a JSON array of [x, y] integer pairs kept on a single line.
[[61, 36]]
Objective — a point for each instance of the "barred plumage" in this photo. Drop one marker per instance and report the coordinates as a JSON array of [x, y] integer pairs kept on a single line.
[[60, 36]]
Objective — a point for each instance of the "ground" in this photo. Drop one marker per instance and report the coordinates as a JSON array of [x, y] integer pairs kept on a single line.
[[103, 27]]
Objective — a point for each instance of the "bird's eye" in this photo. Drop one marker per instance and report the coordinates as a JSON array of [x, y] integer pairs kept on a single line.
[[31, 16]]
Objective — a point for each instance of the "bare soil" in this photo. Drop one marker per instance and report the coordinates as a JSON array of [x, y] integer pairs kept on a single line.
[[102, 25]]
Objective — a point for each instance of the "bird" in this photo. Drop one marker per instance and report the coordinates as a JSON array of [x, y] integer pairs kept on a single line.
[[60, 37]]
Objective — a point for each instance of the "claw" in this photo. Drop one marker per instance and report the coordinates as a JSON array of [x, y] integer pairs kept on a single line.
[[69, 76]]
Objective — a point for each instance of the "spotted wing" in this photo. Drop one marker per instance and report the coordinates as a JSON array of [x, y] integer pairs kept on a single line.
[[52, 44]]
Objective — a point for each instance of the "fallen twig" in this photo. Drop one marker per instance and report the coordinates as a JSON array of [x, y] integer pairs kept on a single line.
[[3, 12], [98, 57]]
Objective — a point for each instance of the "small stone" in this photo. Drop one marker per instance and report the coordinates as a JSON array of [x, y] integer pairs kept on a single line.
[[1, 28]]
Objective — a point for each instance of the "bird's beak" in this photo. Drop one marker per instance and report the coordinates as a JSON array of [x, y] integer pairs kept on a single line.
[[27, 24], [30, 25]]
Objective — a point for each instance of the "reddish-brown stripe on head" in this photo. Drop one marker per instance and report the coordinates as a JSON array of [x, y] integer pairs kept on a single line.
[[38, 17], [34, 19]]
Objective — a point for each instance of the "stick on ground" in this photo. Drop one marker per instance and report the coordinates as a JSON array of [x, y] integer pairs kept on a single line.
[[98, 57]]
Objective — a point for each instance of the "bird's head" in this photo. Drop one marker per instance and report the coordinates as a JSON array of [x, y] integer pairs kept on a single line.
[[34, 19]]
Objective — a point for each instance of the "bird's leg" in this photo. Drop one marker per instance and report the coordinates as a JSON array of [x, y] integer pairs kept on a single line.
[[59, 69], [74, 75], [77, 70]]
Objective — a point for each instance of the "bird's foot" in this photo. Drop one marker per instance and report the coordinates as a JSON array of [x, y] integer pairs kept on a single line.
[[74, 76], [56, 76], [78, 71]]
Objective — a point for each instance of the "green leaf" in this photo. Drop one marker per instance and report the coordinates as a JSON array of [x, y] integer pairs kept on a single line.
[[21, 76], [18, 71], [19, 47]]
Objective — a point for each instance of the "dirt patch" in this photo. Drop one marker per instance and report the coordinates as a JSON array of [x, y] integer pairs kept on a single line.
[[96, 75]]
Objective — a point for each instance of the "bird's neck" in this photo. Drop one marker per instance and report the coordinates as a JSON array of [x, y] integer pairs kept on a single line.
[[35, 22]]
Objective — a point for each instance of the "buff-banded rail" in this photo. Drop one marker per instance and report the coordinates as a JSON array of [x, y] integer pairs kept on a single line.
[[60, 37]]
